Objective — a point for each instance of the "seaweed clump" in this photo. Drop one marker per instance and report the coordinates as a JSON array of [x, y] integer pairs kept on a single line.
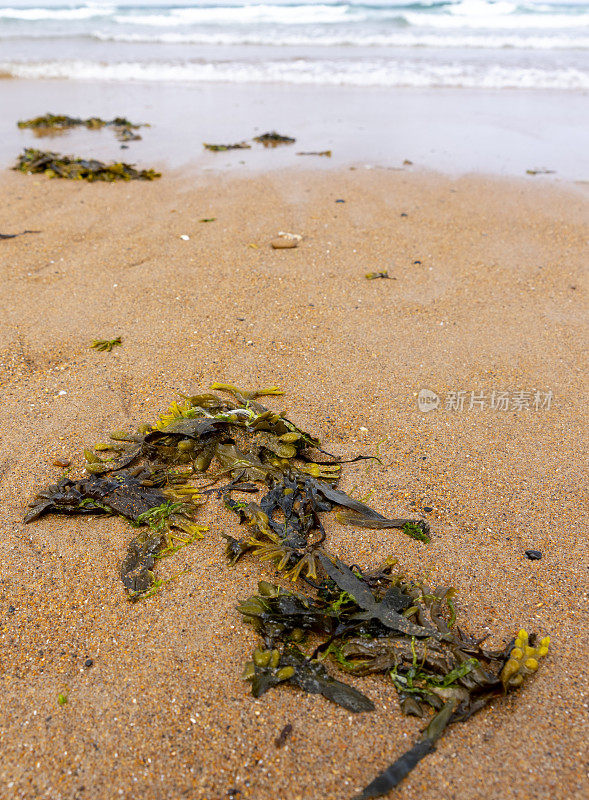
[[254, 448], [50, 124], [56, 166], [340, 616], [272, 139], [369, 623]]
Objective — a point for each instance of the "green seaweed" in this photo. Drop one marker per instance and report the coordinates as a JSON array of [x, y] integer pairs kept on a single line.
[[106, 344]]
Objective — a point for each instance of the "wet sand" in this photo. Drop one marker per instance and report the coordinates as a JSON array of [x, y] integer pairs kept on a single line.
[[456, 131], [488, 295]]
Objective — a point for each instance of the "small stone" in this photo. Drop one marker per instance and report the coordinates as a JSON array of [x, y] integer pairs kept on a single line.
[[533, 555], [340, 201], [89, 662], [61, 462], [11, 609], [427, 509], [282, 243], [184, 237]]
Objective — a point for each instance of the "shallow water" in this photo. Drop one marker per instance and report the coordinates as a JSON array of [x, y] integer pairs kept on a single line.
[[451, 130], [428, 43]]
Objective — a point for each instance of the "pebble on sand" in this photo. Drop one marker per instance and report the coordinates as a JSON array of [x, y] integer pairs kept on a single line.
[[286, 241], [533, 555]]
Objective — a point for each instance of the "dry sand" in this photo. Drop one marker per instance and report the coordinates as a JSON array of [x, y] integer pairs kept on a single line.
[[488, 295]]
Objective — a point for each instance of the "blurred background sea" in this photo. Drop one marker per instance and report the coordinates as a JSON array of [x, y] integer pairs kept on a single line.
[[487, 44]]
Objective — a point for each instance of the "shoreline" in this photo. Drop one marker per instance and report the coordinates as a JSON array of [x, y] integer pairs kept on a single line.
[[488, 294], [451, 131]]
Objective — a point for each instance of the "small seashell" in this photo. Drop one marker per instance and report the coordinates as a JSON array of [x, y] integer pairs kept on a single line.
[[295, 236]]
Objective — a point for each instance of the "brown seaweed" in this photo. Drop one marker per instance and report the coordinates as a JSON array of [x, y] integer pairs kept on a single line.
[[50, 124], [124, 493], [283, 736], [140, 495], [393, 775], [270, 668], [359, 590], [326, 153], [14, 235], [265, 469], [272, 139], [219, 148], [56, 166]]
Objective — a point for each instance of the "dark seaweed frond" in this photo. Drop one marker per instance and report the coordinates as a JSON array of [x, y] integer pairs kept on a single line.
[[217, 148], [272, 139]]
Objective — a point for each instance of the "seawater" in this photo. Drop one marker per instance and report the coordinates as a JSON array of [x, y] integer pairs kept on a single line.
[[456, 43]]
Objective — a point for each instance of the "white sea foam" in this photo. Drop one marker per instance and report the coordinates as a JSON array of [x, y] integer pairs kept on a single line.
[[375, 73], [410, 39], [282, 15], [44, 14], [522, 22], [491, 43], [480, 14]]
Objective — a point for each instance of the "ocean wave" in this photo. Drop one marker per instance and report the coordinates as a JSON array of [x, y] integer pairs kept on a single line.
[[407, 39], [65, 14], [239, 15], [433, 13], [527, 22], [389, 73]]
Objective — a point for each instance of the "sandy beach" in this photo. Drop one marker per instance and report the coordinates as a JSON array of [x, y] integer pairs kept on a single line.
[[488, 294]]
